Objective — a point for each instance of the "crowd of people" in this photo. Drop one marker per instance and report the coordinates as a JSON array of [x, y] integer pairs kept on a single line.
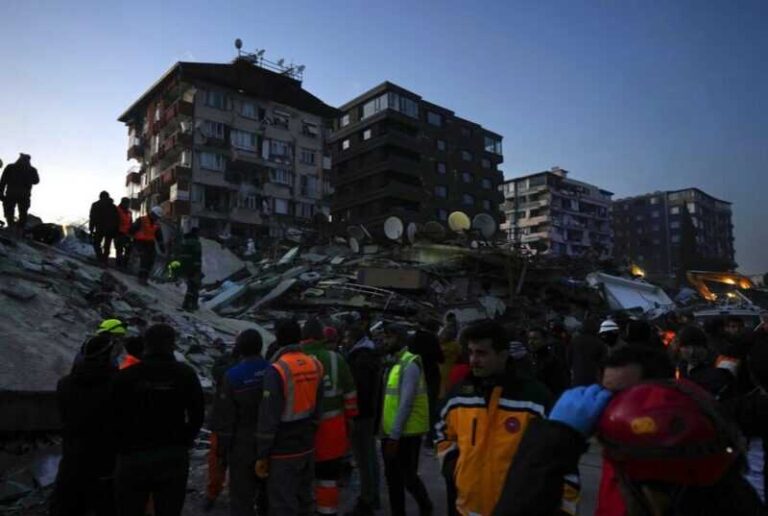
[[682, 425]]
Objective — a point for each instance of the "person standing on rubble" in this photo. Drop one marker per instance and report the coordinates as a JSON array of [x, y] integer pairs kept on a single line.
[[84, 483], [339, 407], [587, 354], [288, 418], [16, 190], [190, 258], [365, 365], [123, 238], [404, 423], [103, 223], [146, 234], [159, 410], [235, 422]]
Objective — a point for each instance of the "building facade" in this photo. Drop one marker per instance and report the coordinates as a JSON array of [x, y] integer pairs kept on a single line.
[[660, 231], [234, 149], [396, 154], [557, 214]]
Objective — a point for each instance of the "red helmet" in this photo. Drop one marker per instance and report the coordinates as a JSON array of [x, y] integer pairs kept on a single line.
[[668, 432]]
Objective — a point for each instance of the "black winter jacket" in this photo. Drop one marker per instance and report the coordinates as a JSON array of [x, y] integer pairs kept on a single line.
[[366, 368], [104, 217], [17, 180]]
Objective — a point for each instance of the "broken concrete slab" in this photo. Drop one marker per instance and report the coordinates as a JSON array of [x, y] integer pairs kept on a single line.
[[283, 287], [289, 256], [18, 292], [401, 279], [229, 293], [219, 263]]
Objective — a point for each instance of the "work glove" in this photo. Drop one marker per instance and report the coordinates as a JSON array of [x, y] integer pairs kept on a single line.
[[262, 468], [581, 407]]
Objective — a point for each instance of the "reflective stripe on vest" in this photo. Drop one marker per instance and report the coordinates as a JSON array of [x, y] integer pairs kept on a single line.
[[418, 420], [301, 376], [147, 231], [125, 220]]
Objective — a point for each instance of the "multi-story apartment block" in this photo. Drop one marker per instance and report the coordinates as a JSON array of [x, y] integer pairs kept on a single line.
[[650, 230], [563, 216], [232, 148], [397, 154]]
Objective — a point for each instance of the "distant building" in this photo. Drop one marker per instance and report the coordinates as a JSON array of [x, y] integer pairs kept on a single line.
[[650, 229], [562, 216], [397, 154], [230, 148]]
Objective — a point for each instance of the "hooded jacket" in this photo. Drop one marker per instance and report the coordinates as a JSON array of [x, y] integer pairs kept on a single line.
[[365, 365]]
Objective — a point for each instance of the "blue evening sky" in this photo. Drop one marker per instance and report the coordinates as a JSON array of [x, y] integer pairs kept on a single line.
[[634, 96]]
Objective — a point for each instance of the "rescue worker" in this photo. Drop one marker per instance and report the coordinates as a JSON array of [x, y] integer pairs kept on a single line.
[[338, 407], [701, 365], [676, 454], [288, 418], [146, 233], [190, 256], [365, 365], [235, 421], [548, 366], [123, 238], [483, 420], [116, 331], [16, 189], [159, 409], [84, 483], [609, 333], [586, 354], [103, 224], [404, 423], [134, 349]]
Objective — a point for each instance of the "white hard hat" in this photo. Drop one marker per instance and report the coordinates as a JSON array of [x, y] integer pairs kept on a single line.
[[608, 325], [157, 211]]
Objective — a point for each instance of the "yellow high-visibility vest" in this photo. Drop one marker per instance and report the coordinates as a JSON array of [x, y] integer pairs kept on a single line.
[[418, 420]]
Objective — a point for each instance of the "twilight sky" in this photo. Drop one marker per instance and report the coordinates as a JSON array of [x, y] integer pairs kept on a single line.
[[634, 96]]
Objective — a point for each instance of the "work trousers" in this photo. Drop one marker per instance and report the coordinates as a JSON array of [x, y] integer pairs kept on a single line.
[[10, 203], [364, 451], [160, 473], [193, 281], [289, 485], [81, 492], [146, 250], [122, 250], [327, 494], [102, 244], [402, 472], [217, 470], [245, 488]]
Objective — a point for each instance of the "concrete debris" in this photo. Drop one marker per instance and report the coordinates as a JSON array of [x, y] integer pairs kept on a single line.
[[17, 292], [219, 263], [406, 279]]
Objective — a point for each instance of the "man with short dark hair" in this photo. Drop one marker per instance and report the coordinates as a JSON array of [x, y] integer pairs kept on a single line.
[[103, 224], [547, 361], [16, 189], [484, 419], [235, 421], [159, 411]]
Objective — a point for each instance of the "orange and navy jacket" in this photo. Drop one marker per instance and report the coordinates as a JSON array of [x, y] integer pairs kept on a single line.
[[291, 405], [339, 405], [126, 220], [481, 425]]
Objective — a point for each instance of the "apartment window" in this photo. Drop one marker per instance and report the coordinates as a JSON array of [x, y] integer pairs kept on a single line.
[[441, 191], [279, 149], [212, 161], [281, 176], [345, 144], [155, 144], [691, 207], [656, 227], [309, 185], [281, 119], [639, 217], [466, 155], [243, 140], [198, 193], [467, 177], [215, 99], [441, 168], [535, 181], [392, 101], [213, 129], [442, 214], [655, 214], [487, 183], [654, 200], [305, 210], [466, 132], [675, 239], [675, 210], [675, 196], [281, 206], [248, 110], [367, 134], [492, 144], [441, 145], [674, 225], [344, 120], [467, 200], [249, 202], [486, 163], [486, 205], [309, 129], [308, 156], [435, 119]]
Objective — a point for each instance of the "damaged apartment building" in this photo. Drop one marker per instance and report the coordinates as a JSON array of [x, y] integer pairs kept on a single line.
[[560, 215], [234, 149]]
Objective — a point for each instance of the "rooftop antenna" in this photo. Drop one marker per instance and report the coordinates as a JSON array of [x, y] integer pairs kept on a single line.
[[239, 46]]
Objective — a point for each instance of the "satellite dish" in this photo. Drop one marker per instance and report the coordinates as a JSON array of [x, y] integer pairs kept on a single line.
[[238, 43], [393, 228], [485, 224], [356, 232], [410, 232], [434, 231], [354, 245], [458, 221]]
